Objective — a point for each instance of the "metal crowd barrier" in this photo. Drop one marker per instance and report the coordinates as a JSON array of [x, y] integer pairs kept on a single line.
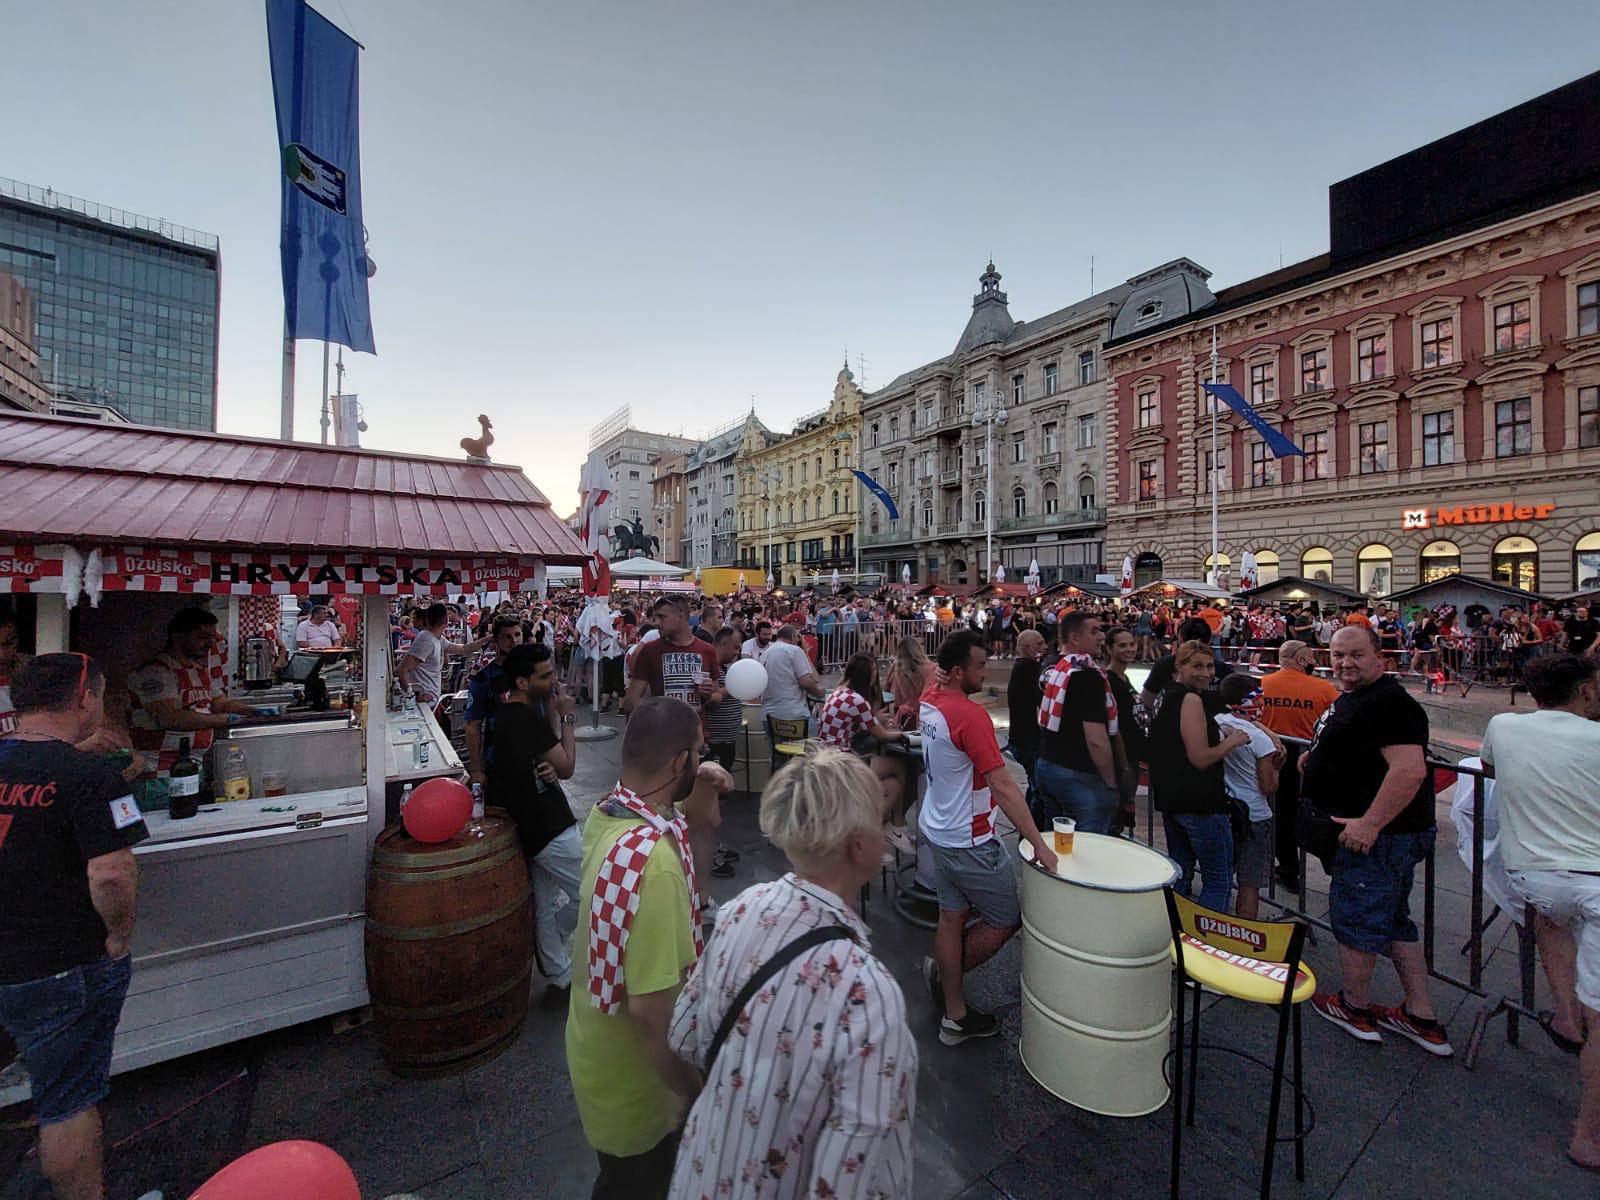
[[1494, 1003], [1463, 663]]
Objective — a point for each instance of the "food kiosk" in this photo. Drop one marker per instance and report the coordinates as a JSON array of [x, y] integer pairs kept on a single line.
[[251, 911]]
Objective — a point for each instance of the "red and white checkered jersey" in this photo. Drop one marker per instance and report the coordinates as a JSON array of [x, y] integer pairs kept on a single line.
[[845, 713], [959, 750]]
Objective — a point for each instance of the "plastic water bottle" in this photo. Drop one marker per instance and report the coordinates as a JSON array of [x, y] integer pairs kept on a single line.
[[405, 796], [477, 802]]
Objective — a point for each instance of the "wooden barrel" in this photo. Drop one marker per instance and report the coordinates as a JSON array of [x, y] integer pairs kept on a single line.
[[449, 947]]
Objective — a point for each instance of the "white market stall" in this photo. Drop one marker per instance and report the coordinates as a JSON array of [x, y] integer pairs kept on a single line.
[[251, 912]]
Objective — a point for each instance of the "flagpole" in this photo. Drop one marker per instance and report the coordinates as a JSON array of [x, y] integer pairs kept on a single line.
[[286, 399], [1216, 561], [324, 393]]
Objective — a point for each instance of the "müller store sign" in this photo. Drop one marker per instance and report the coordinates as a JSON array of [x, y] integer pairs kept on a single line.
[[1474, 514], [249, 574]]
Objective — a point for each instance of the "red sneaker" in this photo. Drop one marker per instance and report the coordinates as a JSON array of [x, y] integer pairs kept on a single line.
[[1357, 1022], [1429, 1035]]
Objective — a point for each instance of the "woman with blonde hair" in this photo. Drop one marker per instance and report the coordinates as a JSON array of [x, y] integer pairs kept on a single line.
[[910, 674], [810, 1070]]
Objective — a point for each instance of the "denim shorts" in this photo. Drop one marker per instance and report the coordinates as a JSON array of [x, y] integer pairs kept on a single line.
[[1369, 898], [978, 878], [63, 1026]]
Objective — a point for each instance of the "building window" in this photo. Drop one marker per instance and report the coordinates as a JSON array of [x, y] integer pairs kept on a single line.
[[980, 506], [1267, 567], [836, 502], [1372, 357], [805, 469], [1586, 562], [894, 475], [1589, 417], [927, 514], [836, 458], [1440, 559], [1086, 495], [1374, 569], [1047, 439], [1019, 503], [1588, 308], [894, 429], [1052, 379], [1513, 427], [978, 392], [1439, 342], [1220, 466], [1052, 500], [1085, 432], [803, 510], [874, 434], [1314, 370], [1085, 367], [819, 466], [1019, 388], [1263, 384], [1373, 441], [1148, 485], [1438, 439], [1316, 563], [1515, 562], [1316, 447], [928, 416], [1019, 447], [791, 474], [1513, 326], [1149, 410], [1260, 465], [872, 522]]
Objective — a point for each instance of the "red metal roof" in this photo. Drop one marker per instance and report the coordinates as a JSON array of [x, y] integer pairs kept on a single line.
[[69, 480]]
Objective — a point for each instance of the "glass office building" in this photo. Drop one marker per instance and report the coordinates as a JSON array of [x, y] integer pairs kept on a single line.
[[127, 305]]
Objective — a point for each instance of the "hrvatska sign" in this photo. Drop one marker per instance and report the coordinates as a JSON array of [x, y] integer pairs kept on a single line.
[[222, 573]]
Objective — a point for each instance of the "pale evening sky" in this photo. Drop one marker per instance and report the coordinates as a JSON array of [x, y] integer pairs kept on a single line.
[[678, 205]]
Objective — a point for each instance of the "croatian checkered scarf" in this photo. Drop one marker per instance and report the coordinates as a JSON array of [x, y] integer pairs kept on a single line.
[[616, 893], [1054, 693]]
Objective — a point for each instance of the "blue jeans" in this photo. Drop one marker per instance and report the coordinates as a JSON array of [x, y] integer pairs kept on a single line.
[[1208, 841], [1081, 795], [63, 1026], [1369, 896], [1027, 761]]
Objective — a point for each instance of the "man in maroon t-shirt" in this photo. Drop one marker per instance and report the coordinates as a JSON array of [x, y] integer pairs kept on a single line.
[[680, 665]]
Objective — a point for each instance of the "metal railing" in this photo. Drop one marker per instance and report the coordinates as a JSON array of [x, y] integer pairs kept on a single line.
[[49, 198]]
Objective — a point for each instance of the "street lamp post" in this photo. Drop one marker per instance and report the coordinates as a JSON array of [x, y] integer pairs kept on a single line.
[[989, 411]]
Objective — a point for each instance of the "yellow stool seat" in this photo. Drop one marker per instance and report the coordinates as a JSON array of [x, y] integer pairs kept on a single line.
[[1242, 977], [793, 749]]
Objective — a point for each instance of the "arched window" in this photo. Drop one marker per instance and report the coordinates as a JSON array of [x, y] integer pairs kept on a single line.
[[1146, 569], [1440, 559], [1586, 563], [980, 506], [872, 522], [1223, 565], [836, 501], [1316, 563], [1267, 567], [791, 511], [1052, 500], [1086, 494], [802, 508], [836, 458], [1019, 503], [927, 514], [1515, 561], [1374, 569]]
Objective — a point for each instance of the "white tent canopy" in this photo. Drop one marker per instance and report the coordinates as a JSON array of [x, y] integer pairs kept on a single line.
[[631, 568]]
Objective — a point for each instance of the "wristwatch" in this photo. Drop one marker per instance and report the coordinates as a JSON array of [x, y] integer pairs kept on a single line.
[[569, 718]]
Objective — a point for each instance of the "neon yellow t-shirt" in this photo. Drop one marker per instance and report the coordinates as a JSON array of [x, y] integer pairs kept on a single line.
[[624, 1106]]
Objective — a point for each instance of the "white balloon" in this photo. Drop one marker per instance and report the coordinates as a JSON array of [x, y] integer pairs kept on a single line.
[[747, 679]]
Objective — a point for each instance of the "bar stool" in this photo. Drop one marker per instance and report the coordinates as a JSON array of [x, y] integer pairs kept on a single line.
[[1254, 961], [787, 736]]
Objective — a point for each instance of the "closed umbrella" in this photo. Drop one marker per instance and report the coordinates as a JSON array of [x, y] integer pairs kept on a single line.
[[836, 579], [905, 574], [1000, 573], [1127, 575]]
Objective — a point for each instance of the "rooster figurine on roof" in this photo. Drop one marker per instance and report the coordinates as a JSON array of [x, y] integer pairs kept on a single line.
[[478, 448]]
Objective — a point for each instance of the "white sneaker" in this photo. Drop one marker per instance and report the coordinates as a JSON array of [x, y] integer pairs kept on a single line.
[[708, 912], [900, 838]]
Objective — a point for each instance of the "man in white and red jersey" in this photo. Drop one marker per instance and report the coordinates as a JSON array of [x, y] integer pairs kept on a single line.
[[181, 694], [967, 779]]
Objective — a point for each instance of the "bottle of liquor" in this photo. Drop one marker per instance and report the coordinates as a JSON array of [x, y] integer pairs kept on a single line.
[[183, 784]]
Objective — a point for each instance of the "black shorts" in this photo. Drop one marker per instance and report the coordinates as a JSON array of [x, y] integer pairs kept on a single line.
[[724, 754]]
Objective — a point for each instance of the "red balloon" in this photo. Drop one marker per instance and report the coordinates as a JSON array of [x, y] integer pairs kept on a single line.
[[437, 810], [304, 1170]]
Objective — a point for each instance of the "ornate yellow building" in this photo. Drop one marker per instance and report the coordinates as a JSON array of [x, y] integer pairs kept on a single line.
[[798, 501]]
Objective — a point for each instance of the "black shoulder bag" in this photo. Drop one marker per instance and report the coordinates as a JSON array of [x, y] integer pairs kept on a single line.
[[813, 937]]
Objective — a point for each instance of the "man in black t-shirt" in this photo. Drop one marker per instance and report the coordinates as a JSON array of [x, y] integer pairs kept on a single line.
[[1582, 632], [1366, 771], [535, 749], [1076, 771], [1192, 630], [67, 828]]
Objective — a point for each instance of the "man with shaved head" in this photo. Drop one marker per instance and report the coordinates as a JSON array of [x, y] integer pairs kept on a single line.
[[1293, 697], [1022, 699]]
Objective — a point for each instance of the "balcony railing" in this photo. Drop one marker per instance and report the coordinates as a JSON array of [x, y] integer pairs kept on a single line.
[[947, 528], [1053, 459], [891, 538], [950, 478], [1066, 519]]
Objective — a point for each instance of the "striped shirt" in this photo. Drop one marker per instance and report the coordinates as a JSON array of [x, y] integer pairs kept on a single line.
[[813, 1092]]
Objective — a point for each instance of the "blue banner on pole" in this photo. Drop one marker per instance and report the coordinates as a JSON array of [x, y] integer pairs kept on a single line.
[[315, 73], [877, 489], [1280, 445]]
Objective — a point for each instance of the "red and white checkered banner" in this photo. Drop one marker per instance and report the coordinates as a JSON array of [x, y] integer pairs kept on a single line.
[[55, 569], [226, 573]]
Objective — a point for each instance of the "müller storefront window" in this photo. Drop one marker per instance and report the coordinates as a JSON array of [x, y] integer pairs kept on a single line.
[[1515, 562], [1440, 559]]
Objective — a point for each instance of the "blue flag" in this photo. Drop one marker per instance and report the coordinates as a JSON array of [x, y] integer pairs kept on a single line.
[[877, 490], [1280, 446], [314, 80]]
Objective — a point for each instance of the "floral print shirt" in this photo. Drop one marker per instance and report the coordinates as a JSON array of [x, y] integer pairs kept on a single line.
[[812, 1094]]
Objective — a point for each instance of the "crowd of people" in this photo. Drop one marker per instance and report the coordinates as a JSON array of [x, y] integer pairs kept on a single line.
[[760, 1046]]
